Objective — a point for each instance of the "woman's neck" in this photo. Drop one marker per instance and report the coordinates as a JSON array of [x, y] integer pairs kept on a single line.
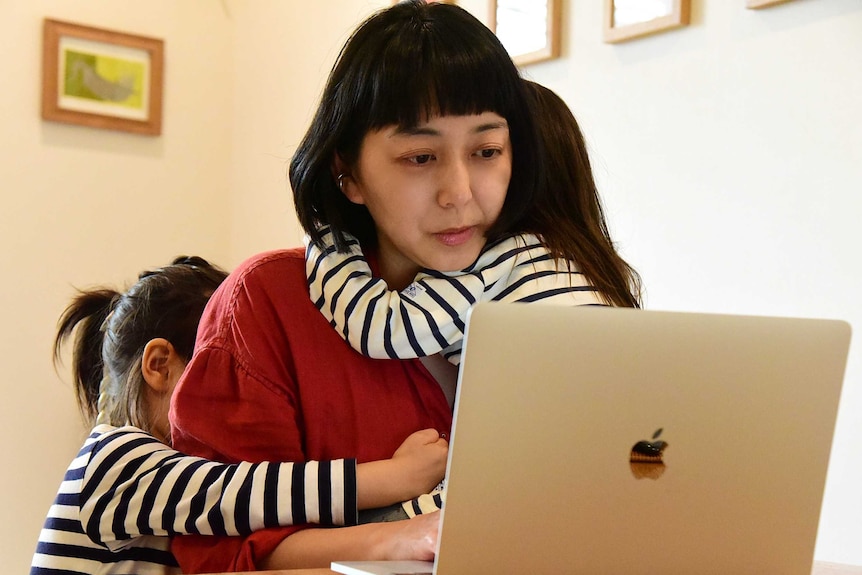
[[398, 279], [396, 270]]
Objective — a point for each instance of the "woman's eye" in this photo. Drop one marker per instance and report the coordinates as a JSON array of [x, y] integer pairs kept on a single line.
[[421, 159], [488, 152]]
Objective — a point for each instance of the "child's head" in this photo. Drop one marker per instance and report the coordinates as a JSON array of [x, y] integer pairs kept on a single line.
[[567, 211], [162, 309], [401, 67], [567, 176]]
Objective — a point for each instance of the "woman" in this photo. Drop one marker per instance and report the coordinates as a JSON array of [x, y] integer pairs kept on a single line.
[[422, 148], [429, 315]]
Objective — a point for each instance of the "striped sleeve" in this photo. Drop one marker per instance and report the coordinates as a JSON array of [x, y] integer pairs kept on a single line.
[[135, 485], [523, 271], [427, 503], [429, 315], [64, 549], [421, 320], [536, 276]]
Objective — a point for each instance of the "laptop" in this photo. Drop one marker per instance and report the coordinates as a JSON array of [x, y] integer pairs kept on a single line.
[[614, 441]]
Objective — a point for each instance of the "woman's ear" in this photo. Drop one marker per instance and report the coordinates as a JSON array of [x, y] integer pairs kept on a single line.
[[155, 364], [345, 182]]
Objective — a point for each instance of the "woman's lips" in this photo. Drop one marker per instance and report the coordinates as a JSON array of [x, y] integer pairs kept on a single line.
[[455, 237]]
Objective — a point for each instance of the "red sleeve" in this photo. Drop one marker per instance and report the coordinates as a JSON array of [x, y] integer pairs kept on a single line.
[[233, 406]]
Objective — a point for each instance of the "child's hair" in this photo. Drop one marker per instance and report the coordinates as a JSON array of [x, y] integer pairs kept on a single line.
[[568, 203], [111, 329], [402, 66]]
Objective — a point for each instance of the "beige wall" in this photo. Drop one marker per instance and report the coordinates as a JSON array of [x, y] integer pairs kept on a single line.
[[727, 154], [83, 206], [283, 53]]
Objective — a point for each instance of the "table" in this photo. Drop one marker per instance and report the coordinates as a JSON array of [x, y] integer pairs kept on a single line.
[[820, 568]]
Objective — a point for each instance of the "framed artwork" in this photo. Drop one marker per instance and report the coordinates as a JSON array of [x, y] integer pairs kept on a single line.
[[755, 4], [529, 29], [101, 78], [628, 19]]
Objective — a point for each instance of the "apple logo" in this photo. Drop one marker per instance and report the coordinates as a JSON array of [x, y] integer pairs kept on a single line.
[[646, 458]]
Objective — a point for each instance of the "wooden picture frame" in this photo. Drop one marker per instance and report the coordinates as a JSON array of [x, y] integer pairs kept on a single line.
[[758, 4], [101, 78], [394, 2], [526, 47], [678, 14]]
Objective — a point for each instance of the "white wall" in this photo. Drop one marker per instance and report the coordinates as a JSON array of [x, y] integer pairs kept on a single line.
[[726, 152]]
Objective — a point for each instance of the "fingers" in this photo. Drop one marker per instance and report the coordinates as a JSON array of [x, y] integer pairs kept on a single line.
[[429, 529], [425, 436]]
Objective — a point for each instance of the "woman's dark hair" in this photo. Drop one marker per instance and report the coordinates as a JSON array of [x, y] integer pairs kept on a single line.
[[402, 66], [567, 213], [415, 60], [111, 329]]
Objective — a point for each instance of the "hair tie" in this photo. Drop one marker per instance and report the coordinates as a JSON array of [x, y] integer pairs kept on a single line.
[[104, 327], [105, 402]]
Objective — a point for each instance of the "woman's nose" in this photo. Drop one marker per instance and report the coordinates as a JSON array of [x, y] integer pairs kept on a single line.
[[454, 187]]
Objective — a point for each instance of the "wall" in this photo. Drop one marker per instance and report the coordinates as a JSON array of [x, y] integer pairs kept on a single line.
[[726, 153], [283, 54], [82, 206]]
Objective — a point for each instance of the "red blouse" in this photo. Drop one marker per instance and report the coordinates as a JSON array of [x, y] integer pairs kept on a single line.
[[270, 380]]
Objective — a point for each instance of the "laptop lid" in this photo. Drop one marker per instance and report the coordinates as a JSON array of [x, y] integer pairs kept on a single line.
[[729, 420]]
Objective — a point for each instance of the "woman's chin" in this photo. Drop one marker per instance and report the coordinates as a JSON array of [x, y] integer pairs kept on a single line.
[[456, 262]]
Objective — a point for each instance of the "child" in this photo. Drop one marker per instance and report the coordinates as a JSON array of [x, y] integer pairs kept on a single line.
[[127, 490], [429, 315]]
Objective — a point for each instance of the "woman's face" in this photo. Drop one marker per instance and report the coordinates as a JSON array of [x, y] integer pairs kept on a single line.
[[433, 191]]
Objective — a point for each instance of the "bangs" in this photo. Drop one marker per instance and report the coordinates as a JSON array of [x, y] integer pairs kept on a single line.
[[438, 80], [401, 67], [423, 70]]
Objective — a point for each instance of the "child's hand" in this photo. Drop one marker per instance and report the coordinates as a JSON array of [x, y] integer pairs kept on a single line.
[[416, 467], [421, 461]]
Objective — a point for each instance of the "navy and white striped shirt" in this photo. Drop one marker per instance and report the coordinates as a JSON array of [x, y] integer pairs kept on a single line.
[[429, 315], [126, 492]]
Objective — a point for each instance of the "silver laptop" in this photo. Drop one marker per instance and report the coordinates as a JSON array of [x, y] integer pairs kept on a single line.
[[620, 441]]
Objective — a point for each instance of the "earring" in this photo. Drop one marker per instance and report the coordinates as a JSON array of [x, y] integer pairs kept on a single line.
[[339, 181]]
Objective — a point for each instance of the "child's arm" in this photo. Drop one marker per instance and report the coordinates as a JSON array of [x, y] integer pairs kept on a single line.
[[416, 468], [429, 315], [421, 320], [135, 485]]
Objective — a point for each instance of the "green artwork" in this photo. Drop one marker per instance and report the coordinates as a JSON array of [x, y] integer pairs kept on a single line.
[[104, 79]]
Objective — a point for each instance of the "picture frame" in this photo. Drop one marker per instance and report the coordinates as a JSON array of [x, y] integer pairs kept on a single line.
[[626, 20], [758, 4], [529, 29], [102, 78]]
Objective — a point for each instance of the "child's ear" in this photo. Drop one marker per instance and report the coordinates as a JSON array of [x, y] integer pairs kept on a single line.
[[155, 364], [345, 182]]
